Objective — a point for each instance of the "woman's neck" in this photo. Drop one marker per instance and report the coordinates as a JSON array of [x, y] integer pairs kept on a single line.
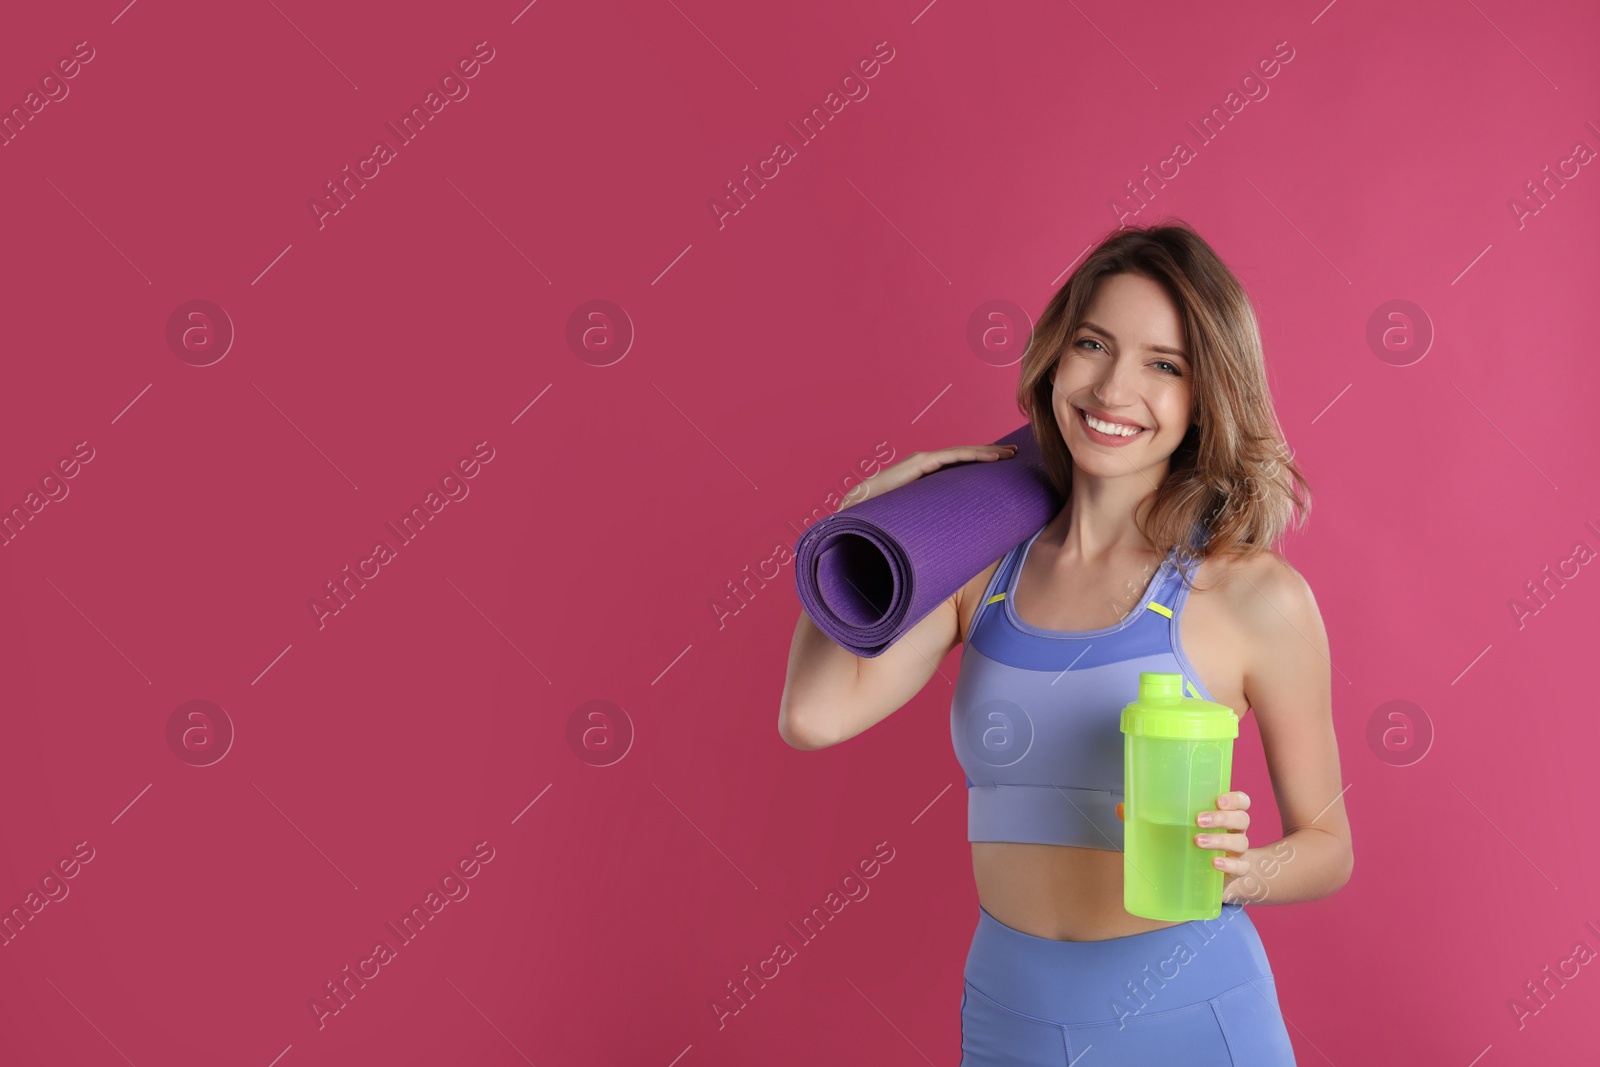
[[1096, 525]]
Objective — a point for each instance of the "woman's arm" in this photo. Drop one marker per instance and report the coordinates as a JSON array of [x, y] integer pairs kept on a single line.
[[1288, 682], [829, 693]]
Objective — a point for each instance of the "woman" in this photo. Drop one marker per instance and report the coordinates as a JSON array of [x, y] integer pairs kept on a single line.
[[1146, 391]]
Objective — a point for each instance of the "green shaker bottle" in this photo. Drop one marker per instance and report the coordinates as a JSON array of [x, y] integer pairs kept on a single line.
[[1177, 759]]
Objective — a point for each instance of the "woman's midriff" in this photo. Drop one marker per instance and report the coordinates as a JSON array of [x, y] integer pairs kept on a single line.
[[1055, 891], [1075, 894]]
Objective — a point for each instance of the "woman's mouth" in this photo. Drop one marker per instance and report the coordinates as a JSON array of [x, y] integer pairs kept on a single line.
[[1108, 433]]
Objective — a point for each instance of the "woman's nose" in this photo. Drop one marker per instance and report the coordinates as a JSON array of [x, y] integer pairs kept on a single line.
[[1116, 383]]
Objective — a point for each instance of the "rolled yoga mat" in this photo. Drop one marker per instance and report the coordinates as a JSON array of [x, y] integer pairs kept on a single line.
[[869, 573]]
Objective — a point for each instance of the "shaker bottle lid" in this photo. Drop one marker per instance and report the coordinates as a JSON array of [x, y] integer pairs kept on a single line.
[[1163, 711]]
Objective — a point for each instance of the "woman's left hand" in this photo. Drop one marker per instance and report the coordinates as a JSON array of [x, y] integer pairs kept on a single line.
[[1232, 813]]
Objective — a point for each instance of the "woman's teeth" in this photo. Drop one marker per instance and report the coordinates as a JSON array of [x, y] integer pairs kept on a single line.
[[1115, 429]]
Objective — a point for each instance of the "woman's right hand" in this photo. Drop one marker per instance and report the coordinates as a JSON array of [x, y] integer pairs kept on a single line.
[[917, 464]]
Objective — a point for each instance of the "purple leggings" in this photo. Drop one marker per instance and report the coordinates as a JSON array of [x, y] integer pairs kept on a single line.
[[1199, 994]]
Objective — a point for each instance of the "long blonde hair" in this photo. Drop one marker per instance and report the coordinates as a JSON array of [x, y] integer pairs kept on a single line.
[[1232, 486]]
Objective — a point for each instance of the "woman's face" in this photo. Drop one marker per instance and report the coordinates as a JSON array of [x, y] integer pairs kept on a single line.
[[1126, 364]]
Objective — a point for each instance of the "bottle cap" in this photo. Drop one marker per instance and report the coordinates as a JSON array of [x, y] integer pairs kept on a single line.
[[1163, 711]]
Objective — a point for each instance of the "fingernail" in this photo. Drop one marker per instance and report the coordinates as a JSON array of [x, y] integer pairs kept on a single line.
[[1205, 819]]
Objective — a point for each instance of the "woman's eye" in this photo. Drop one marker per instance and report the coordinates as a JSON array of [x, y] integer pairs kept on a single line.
[[1172, 368]]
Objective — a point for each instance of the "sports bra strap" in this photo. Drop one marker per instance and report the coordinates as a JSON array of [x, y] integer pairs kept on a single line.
[[994, 592], [1163, 600]]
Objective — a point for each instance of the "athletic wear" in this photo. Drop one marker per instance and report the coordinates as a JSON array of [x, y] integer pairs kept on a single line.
[[1036, 725], [1198, 994], [1036, 718]]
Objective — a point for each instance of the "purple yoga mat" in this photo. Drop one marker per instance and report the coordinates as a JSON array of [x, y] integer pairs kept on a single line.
[[869, 573]]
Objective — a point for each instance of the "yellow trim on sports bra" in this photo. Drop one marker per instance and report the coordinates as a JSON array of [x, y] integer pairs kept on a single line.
[[1161, 608]]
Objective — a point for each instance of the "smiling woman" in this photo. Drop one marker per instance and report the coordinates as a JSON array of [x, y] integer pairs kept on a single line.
[[1160, 342], [1146, 392]]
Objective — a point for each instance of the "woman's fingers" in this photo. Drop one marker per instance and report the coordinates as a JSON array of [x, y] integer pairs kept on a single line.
[[1232, 843], [1224, 820], [1231, 846], [928, 462], [1232, 813]]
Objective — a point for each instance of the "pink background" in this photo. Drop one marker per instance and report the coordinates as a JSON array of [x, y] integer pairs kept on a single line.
[[771, 353]]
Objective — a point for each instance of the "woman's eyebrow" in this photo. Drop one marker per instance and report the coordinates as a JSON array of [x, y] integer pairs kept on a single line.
[[1113, 339]]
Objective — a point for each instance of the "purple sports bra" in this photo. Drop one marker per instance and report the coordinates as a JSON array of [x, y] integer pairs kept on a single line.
[[1036, 715]]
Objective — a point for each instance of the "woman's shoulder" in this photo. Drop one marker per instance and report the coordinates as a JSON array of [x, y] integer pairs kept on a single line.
[[1255, 587]]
